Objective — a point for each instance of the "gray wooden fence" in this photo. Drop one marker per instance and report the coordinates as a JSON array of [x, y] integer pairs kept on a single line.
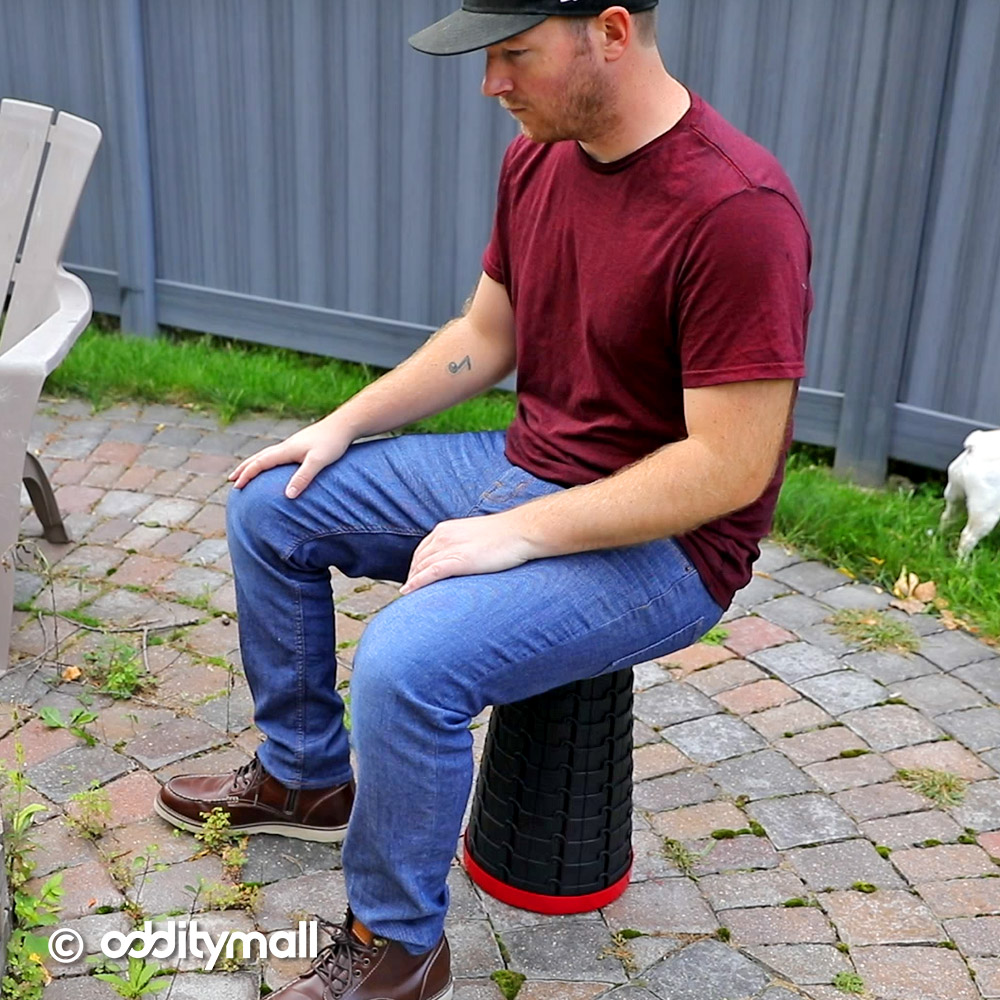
[[290, 172]]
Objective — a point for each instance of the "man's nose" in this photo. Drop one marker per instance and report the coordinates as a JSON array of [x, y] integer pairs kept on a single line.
[[495, 82]]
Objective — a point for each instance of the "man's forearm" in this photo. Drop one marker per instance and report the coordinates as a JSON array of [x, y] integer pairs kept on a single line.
[[723, 466], [668, 493], [457, 363]]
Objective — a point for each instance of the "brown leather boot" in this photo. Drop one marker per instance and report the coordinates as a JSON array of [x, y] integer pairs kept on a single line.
[[257, 803], [358, 966]]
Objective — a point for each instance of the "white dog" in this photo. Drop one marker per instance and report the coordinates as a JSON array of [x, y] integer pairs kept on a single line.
[[974, 482]]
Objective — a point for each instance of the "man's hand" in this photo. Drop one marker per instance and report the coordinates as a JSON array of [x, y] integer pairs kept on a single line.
[[313, 448], [469, 545]]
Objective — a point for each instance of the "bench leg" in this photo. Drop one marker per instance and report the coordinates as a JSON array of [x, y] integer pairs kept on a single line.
[[43, 500]]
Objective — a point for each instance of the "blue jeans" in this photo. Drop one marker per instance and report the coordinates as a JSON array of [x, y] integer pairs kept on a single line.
[[432, 660]]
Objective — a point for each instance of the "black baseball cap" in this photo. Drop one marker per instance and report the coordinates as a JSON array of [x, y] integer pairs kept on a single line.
[[485, 22]]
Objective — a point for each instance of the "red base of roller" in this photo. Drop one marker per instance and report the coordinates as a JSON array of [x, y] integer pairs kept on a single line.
[[538, 902]]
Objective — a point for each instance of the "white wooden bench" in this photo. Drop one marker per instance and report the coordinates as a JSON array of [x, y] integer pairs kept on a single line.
[[43, 167]]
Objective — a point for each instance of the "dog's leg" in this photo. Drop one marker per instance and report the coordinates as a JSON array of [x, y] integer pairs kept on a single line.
[[954, 503], [981, 522]]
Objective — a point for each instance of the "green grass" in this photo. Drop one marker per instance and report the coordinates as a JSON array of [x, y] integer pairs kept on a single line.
[[849, 982], [941, 787], [236, 379], [872, 630], [874, 533], [870, 533]]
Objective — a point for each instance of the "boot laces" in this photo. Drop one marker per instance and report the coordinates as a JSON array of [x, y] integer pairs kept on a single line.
[[246, 774], [338, 961]]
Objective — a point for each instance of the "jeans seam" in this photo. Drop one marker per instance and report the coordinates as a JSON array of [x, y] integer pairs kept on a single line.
[[300, 748]]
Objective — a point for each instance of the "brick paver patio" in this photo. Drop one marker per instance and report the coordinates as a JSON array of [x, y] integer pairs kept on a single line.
[[776, 851]]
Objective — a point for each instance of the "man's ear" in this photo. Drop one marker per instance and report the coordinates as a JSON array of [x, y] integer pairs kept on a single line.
[[616, 32]]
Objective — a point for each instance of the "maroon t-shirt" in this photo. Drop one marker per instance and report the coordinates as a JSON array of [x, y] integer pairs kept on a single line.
[[684, 264]]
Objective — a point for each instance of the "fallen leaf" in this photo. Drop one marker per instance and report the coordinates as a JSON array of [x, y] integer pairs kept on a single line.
[[847, 572], [876, 560], [91, 902], [925, 591], [71, 673], [909, 604], [762, 574], [951, 621]]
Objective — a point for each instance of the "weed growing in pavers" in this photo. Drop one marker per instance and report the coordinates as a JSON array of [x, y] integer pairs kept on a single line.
[[117, 669], [683, 857], [504, 951], [872, 630], [25, 975], [756, 829], [619, 948], [81, 618], [843, 947], [78, 719], [942, 787], [883, 851], [140, 979], [796, 902], [509, 982], [240, 896], [723, 834], [864, 887], [715, 636], [854, 752], [723, 933], [219, 839], [91, 812], [849, 982]]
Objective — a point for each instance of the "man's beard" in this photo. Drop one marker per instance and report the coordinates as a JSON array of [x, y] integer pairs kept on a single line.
[[586, 113]]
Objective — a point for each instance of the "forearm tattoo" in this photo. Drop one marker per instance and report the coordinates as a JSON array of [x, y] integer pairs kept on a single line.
[[456, 367]]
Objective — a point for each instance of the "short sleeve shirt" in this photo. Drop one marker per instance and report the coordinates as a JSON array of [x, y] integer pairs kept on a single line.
[[684, 264]]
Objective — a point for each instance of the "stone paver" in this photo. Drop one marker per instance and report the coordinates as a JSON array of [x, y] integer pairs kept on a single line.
[[976, 728], [796, 661], [840, 866], [943, 755], [779, 925], [914, 973], [890, 668], [667, 704], [706, 970], [890, 726], [936, 864], [842, 691], [770, 756], [889, 916], [714, 738], [803, 963], [802, 819], [912, 828], [745, 889], [761, 775]]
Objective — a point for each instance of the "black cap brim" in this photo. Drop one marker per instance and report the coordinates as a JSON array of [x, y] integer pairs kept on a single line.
[[463, 31]]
